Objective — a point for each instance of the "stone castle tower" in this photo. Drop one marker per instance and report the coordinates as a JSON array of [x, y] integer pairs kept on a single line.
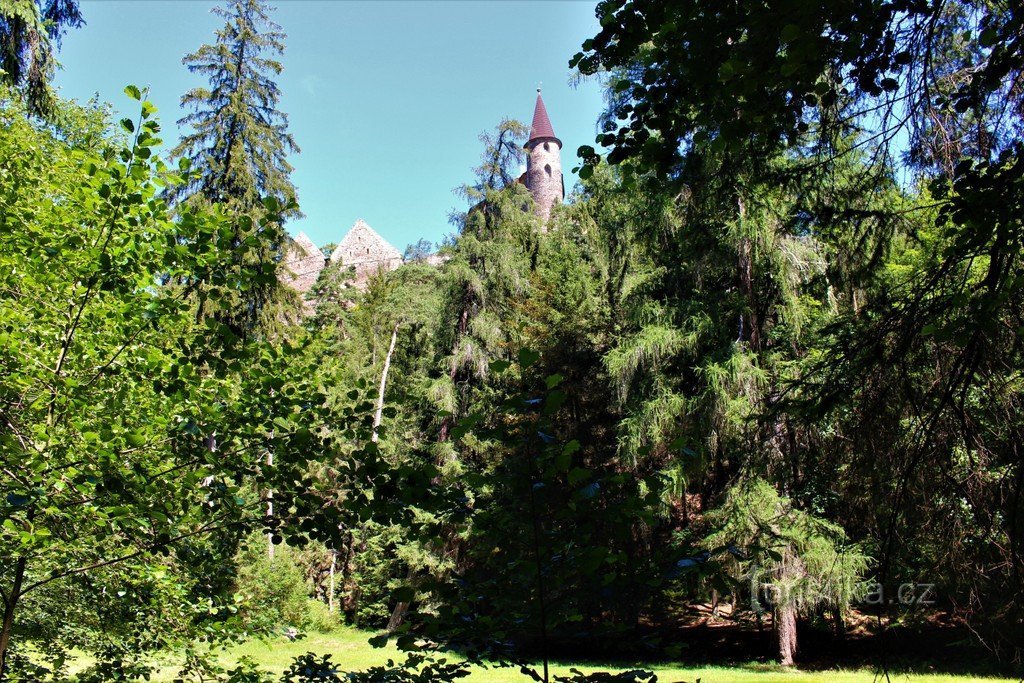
[[544, 162], [364, 253]]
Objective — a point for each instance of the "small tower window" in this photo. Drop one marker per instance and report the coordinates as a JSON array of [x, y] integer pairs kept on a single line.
[[546, 147], [547, 169]]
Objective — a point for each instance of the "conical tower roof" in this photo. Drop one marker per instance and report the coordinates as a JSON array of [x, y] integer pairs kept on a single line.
[[541, 128]]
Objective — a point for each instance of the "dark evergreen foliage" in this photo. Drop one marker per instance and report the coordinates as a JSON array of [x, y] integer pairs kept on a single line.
[[30, 30], [239, 139], [238, 145]]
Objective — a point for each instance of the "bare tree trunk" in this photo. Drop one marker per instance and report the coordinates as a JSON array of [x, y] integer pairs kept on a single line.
[[383, 383], [10, 602], [837, 621], [745, 263], [398, 616], [330, 584], [353, 590], [401, 609], [785, 629], [347, 570], [270, 510]]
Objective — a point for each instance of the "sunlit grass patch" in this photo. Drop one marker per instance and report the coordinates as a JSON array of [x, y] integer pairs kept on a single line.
[[351, 651]]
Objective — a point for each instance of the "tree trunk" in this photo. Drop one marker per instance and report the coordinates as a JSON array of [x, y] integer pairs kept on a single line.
[[383, 383], [837, 621], [270, 511], [398, 616], [745, 263], [785, 630], [10, 603], [330, 589], [401, 609], [347, 583]]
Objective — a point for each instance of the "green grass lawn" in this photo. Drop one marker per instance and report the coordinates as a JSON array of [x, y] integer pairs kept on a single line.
[[350, 650]]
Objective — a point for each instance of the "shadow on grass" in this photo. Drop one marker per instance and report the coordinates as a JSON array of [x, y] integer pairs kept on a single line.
[[928, 651]]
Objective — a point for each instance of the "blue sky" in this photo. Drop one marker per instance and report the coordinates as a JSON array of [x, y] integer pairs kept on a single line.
[[386, 99]]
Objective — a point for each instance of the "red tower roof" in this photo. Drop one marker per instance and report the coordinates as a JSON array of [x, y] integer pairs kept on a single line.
[[541, 128]]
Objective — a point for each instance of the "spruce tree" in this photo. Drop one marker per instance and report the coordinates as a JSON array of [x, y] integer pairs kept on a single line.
[[29, 32], [238, 145], [239, 136]]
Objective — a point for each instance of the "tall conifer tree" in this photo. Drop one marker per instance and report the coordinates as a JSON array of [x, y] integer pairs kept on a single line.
[[30, 30], [239, 142], [239, 136]]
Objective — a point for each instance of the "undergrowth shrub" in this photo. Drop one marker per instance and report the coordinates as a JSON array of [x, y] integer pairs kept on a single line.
[[273, 593], [319, 618], [417, 668], [377, 572]]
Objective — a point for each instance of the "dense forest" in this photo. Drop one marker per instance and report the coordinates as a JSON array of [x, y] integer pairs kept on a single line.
[[763, 364]]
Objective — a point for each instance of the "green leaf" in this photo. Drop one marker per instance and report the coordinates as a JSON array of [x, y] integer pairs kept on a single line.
[[790, 32], [18, 499], [499, 366], [790, 67], [578, 474], [531, 673], [988, 37], [403, 594], [133, 92], [527, 357], [555, 400], [563, 461]]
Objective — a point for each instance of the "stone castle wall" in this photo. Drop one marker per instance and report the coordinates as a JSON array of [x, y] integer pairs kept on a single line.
[[302, 263], [366, 252]]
